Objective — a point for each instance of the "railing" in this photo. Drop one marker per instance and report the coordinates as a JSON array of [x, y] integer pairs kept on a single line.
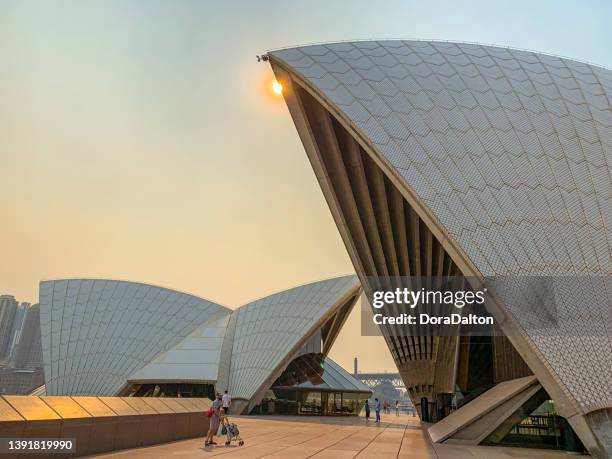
[[539, 425]]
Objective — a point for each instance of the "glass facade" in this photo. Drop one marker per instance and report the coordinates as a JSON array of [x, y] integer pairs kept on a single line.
[[172, 390], [311, 403], [536, 424], [313, 385]]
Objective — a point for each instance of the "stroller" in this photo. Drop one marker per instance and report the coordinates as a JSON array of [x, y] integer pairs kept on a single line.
[[232, 432]]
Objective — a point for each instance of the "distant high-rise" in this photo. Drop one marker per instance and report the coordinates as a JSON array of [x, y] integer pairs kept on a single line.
[[8, 308], [29, 351], [17, 328]]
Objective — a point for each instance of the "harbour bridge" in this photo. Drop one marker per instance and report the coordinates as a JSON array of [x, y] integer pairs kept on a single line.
[[372, 380]]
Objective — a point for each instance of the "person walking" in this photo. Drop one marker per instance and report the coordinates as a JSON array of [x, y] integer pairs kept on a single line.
[[215, 420], [397, 407], [377, 408], [367, 410], [226, 402]]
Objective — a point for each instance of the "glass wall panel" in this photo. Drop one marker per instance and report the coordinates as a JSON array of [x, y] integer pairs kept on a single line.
[[310, 403], [536, 424], [172, 390], [334, 404], [349, 404], [316, 386]]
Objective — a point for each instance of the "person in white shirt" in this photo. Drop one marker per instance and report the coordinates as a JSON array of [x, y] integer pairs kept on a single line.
[[226, 400]]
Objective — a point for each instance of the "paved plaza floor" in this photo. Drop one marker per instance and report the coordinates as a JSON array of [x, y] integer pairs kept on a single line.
[[329, 438]]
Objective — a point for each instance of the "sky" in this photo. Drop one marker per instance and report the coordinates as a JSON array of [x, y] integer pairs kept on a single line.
[[140, 140]]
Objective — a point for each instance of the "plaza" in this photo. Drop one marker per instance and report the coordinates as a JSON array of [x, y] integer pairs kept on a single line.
[[326, 438]]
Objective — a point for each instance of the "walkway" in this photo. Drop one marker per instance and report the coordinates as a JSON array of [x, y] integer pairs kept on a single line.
[[329, 438]]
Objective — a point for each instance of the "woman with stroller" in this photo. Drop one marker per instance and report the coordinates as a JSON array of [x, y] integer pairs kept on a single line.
[[215, 420]]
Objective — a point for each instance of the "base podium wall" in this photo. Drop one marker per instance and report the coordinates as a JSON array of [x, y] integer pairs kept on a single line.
[[100, 424]]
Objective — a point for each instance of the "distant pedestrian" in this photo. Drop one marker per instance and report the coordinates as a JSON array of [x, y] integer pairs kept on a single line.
[[377, 408], [227, 400], [397, 407], [367, 410]]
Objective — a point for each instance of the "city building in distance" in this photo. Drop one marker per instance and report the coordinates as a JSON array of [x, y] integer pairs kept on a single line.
[[454, 159], [8, 310], [117, 338], [18, 324], [21, 362]]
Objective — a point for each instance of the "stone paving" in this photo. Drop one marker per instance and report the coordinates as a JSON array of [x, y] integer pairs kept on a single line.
[[329, 438]]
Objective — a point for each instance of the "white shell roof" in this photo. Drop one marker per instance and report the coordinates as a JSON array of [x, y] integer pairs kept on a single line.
[[196, 358], [97, 333], [510, 150], [268, 331]]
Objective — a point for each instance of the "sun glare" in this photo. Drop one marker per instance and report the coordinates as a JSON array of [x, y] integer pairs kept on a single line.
[[277, 88]]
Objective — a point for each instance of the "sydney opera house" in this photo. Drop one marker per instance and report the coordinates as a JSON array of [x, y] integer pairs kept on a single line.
[[453, 159], [117, 338], [438, 160]]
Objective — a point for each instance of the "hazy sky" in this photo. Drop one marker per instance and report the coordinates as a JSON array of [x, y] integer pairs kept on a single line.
[[140, 140]]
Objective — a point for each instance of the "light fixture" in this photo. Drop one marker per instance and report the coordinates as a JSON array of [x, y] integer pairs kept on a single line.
[[277, 88]]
